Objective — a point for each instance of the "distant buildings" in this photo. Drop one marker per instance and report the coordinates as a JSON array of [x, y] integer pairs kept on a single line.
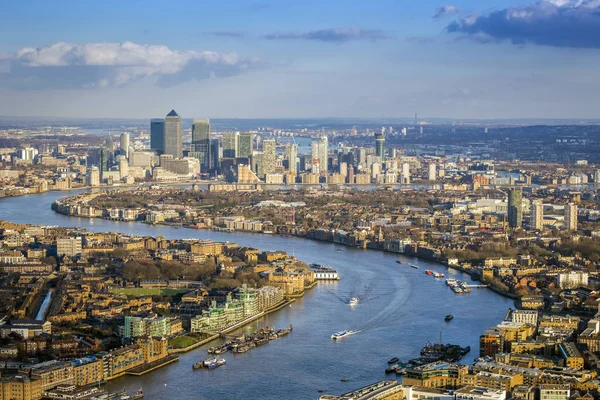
[[432, 173], [515, 207]]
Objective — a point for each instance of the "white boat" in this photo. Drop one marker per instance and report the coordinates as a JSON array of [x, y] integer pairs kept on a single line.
[[342, 334], [353, 301]]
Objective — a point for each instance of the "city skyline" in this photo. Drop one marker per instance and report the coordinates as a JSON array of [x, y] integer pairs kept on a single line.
[[454, 59]]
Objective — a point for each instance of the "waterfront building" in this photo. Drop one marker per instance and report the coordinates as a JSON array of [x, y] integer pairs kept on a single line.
[[87, 370], [69, 247], [525, 317], [20, 387], [245, 141], [134, 327], [201, 143], [537, 215], [515, 207], [571, 217], [384, 390], [173, 135], [157, 135], [380, 145], [436, 375], [51, 373], [124, 142], [231, 144]]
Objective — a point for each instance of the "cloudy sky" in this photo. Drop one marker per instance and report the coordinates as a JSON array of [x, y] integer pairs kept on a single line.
[[309, 58]]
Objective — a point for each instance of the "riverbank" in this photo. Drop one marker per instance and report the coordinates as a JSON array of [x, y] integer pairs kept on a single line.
[[292, 234]]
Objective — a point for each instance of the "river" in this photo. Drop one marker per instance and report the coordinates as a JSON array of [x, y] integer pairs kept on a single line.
[[400, 310]]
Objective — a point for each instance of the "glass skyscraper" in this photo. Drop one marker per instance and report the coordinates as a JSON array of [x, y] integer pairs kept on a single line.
[[201, 143], [157, 135], [245, 145]]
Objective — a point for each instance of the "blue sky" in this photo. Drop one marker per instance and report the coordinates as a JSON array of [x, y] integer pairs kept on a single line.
[[338, 58]]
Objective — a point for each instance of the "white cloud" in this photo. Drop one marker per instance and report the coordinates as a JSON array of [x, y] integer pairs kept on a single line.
[[115, 64]]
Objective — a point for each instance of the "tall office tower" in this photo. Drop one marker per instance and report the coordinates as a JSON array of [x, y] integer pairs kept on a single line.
[[245, 145], [405, 173], [537, 215], [201, 142], [215, 157], [432, 175], [350, 178], [571, 217], [93, 177], [324, 154], [269, 156], [231, 144], [173, 141], [125, 144], [157, 135], [293, 158], [380, 145], [104, 160], [515, 207]]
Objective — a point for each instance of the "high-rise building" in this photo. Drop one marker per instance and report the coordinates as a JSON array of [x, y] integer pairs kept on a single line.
[[93, 177], [123, 167], [172, 135], [231, 144], [350, 178], [215, 158], [201, 142], [293, 158], [245, 145], [314, 151], [537, 215], [432, 174], [125, 144], [324, 154], [104, 160], [157, 135], [269, 156], [571, 217], [405, 173], [380, 145], [515, 207]]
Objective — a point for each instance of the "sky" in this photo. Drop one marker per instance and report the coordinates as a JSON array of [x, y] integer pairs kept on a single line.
[[300, 59]]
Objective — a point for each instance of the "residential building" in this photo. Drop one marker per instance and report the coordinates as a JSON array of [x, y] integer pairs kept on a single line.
[[554, 392], [537, 215], [69, 247], [571, 217]]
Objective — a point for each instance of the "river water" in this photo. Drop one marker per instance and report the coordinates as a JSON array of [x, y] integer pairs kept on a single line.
[[400, 310]]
